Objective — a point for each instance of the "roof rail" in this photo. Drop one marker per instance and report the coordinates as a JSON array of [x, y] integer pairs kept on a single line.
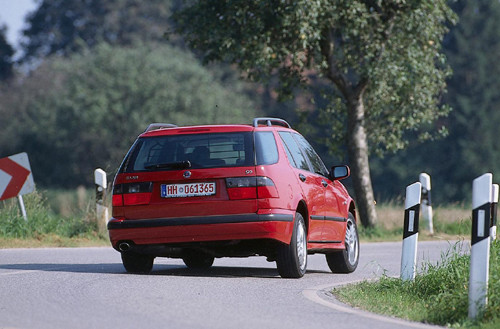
[[155, 126], [270, 122]]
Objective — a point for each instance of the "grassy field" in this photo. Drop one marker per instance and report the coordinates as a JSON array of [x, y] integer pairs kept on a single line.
[[451, 222]]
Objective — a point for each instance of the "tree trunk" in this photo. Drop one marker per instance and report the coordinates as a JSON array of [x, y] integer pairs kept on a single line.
[[357, 144], [357, 141]]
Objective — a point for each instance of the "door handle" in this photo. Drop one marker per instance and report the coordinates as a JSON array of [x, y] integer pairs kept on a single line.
[[324, 183], [302, 177]]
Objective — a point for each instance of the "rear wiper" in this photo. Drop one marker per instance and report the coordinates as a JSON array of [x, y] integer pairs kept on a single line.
[[171, 165]]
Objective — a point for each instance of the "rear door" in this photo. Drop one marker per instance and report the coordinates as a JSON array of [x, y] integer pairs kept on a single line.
[[333, 221], [310, 184]]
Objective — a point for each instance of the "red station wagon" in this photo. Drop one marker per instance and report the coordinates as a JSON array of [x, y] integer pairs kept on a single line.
[[201, 192]]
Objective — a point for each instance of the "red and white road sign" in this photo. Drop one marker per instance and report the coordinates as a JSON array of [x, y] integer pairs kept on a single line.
[[15, 176]]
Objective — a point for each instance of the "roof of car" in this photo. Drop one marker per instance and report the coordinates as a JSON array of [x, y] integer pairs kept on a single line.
[[158, 129]]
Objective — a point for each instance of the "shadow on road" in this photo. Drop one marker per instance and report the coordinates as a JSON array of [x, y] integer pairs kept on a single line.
[[72, 268], [217, 271], [158, 270]]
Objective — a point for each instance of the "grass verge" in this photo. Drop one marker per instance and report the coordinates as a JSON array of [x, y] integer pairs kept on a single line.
[[53, 241], [439, 294], [45, 228]]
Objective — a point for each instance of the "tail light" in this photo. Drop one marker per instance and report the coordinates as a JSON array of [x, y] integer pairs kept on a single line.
[[132, 194], [266, 188], [239, 188]]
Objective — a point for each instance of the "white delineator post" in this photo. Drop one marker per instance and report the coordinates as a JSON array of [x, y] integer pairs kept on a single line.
[[494, 204], [425, 180], [100, 196], [480, 244], [410, 234]]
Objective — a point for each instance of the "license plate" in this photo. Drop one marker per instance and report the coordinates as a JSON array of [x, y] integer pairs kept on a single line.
[[187, 190]]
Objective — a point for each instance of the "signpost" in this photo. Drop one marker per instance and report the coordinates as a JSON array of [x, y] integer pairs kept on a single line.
[[482, 190], [16, 178], [410, 234]]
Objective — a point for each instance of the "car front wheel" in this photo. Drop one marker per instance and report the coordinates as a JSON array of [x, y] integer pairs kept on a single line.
[[292, 259], [346, 261]]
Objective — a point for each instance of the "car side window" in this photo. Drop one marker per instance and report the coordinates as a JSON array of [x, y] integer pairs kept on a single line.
[[266, 151], [318, 165], [293, 151]]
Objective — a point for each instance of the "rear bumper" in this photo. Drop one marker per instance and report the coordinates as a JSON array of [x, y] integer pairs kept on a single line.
[[275, 226]]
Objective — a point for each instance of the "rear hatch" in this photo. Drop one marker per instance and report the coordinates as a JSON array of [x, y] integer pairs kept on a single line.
[[188, 172]]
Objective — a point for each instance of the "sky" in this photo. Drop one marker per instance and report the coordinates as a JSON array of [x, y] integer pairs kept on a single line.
[[12, 13]]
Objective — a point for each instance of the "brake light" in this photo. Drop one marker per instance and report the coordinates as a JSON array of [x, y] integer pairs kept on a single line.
[[239, 188], [132, 194], [117, 200], [266, 188], [242, 193], [133, 199], [117, 195]]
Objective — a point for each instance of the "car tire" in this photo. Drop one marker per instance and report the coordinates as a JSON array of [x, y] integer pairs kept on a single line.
[[136, 263], [197, 260], [346, 261], [291, 259]]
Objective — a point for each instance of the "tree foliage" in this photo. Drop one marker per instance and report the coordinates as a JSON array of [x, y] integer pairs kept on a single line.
[[393, 46], [471, 147], [383, 61], [75, 114], [6, 54], [473, 90], [68, 26]]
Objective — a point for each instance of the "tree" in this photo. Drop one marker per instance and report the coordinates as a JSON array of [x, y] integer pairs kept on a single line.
[[383, 61], [6, 53], [72, 115], [68, 26], [471, 147], [473, 92]]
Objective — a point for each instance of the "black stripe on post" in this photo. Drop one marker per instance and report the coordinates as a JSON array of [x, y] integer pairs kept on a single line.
[[494, 206], [481, 223], [412, 215]]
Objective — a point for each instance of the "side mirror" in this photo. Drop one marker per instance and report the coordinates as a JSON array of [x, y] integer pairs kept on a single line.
[[339, 172]]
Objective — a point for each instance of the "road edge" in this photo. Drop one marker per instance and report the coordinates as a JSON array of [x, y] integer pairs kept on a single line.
[[330, 301]]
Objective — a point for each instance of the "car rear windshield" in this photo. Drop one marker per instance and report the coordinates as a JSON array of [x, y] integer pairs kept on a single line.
[[198, 151]]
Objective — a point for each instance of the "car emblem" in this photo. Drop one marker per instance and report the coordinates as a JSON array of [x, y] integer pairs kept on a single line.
[[187, 174]]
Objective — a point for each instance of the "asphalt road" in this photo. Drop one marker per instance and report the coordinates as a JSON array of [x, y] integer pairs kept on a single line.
[[88, 288]]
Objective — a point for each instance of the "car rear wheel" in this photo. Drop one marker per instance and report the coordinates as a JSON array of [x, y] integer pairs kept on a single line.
[[136, 263], [292, 259], [346, 261], [197, 260]]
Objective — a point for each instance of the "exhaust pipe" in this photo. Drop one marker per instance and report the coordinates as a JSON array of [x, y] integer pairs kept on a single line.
[[124, 246]]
